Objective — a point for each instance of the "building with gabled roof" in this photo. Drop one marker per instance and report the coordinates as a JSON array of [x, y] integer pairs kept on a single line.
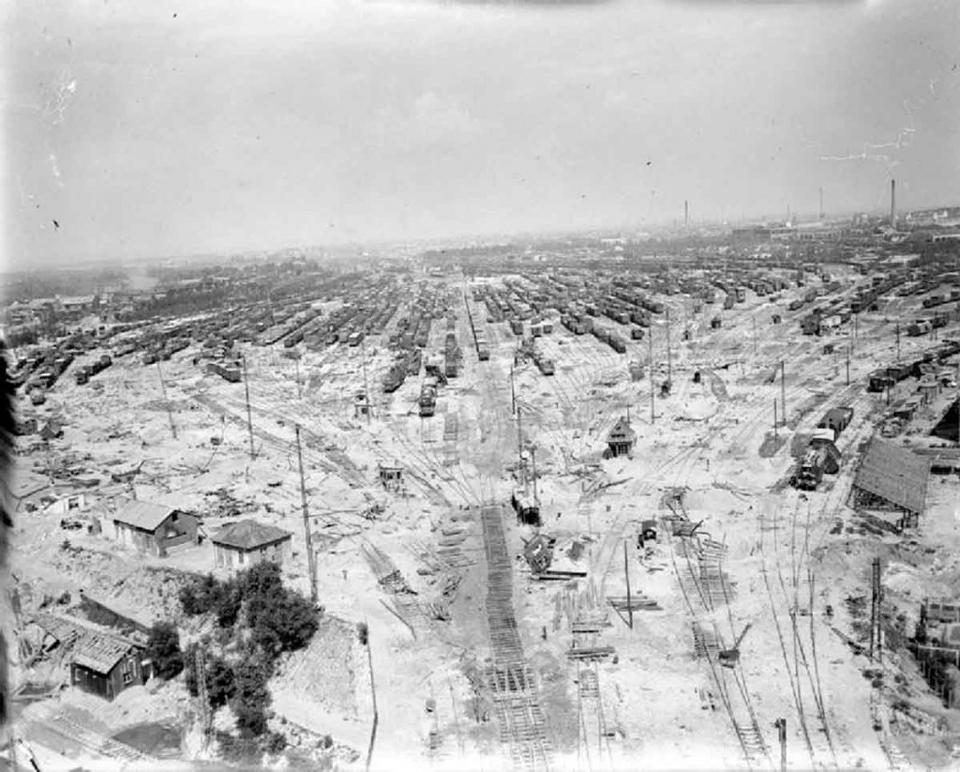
[[247, 542], [892, 479], [153, 528], [100, 662], [621, 438]]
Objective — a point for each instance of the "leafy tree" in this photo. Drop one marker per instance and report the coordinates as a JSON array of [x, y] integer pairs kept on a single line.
[[163, 648], [221, 682], [251, 696]]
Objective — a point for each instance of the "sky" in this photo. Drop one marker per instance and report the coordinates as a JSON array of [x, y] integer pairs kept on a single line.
[[154, 128]]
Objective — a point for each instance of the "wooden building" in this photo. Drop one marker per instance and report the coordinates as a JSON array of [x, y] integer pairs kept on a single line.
[[248, 542], [105, 665], [154, 528], [621, 438]]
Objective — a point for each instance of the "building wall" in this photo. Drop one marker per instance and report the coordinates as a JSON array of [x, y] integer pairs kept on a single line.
[[233, 557], [128, 672]]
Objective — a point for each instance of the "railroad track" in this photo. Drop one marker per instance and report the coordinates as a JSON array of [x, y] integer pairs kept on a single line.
[[737, 702], [519, 714]]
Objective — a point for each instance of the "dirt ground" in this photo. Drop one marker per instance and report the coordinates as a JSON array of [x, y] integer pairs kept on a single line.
[[653, 703]]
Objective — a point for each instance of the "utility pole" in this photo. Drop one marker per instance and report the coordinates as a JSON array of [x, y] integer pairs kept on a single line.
[[669, 369], [246, 389], [523, 476], [163, 390], [311, 558], [366, 392], [775, 418], [875, 618], [653, 417], [848, 365], [626, 571], [783, 392], [513, 392], [373, 694], [754, 336], [898, 341], [296, 365], [533, 472], [781, 725]]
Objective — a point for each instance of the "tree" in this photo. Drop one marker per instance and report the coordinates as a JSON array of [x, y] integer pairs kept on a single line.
[[251, 697], [280, 619], [221, 682], [163, 648]]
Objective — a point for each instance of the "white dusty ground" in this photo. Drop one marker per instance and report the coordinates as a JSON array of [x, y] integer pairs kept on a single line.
[[654, 703]]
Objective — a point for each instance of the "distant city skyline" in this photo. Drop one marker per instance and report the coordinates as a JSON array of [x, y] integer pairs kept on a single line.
[[156, 130]]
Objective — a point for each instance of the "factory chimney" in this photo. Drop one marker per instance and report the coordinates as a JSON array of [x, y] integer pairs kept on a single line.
[[686, 215], [821, 203], [893, 203]]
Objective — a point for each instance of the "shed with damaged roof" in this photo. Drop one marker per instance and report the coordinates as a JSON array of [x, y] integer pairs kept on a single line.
[[892, 479], [154, 528], [248, 542]]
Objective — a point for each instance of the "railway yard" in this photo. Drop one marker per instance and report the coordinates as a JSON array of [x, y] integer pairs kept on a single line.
[[602, 514]]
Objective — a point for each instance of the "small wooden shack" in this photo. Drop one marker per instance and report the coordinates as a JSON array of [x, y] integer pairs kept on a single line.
[[621, 438]]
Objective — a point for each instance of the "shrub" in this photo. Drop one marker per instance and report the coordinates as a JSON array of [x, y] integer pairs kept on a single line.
[[221, 682], [363, 632], [251, 696], [274, 743], [163, 648], [280, 619]]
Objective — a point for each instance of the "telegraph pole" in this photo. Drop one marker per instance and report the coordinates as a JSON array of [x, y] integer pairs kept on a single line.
[[781, 725], [513, 392], [669, 369], [163, 390], [533, 472], [523, 476], [246, 389], [898, 341], [296, 365], [875, 617], [311, 558], [848, 365], [626, 570], [754, 336], [366, 393], [653, 417], [775, 418], [783, 391]]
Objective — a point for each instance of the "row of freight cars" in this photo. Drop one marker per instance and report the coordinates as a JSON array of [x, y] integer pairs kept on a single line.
[[85, 373], [887, 377]]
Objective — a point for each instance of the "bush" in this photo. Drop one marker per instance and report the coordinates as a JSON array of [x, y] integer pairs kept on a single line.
[[280, 619], [274, 743], [163, 648], [221, 682], [363, 632], [251, 696]]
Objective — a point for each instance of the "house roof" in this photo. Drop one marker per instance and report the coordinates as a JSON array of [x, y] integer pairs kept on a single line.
[[621, 432], [143, 514], [895, 474], [249, 534], [94, 649]]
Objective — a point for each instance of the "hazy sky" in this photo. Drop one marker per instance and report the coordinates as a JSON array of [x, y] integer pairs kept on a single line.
[[154, 128]]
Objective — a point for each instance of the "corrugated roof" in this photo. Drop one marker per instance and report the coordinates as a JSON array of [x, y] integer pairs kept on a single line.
[[249, 534], [143, 514], [895, 474]]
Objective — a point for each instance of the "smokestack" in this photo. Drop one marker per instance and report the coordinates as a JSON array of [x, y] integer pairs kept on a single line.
[[686, 214], [821, 203], [893, 203]]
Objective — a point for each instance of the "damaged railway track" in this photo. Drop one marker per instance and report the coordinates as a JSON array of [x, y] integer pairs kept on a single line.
[[515, 696]]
